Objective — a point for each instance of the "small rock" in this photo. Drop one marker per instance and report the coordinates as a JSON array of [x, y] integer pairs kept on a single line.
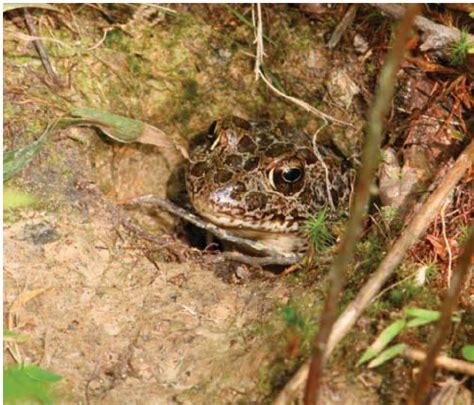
[[360, 44], [342, 88], [242, 273], [41, 233]]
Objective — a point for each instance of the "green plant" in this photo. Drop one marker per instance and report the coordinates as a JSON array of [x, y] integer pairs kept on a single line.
[[26, 382], [468, 352], [318, 232], [16, 199], [460, 49], [412, 318]]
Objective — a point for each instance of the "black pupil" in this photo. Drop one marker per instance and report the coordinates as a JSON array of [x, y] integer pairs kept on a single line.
[[291, 175]]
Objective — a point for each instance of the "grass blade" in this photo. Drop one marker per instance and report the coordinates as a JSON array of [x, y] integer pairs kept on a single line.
[[14, 161], [387, 355], [387, 335]]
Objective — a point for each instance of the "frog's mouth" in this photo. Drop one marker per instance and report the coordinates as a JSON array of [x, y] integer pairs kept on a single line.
[[276, 236], [240, 221]]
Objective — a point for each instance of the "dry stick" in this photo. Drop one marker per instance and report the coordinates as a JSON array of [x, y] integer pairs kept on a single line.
[[259, 73], [365, 179], [420, 222], [454, 365], [442, 328], [40, 48], [423, 218], [438, 36], [271, 256], [343, 26]]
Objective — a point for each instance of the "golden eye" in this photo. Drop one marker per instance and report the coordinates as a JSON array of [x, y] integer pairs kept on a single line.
[[291, 174], [288, 177]]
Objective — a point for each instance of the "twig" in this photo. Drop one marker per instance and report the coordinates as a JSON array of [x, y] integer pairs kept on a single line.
[[438, 37], [325, 167], [215, 230], [260, 74], [443, 361], [421, 221], [276, 260], [343, 26], [365, 179], [446, 241], [442, 327], [40, 48]]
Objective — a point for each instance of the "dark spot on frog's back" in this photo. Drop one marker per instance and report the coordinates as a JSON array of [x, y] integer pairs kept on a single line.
[[240, 122], [237, 190], [234, 161], [222, 176], [306, 155], [279, 149], [198, 169], [264, 140], [246, 145], [255, 200], [251, 163]]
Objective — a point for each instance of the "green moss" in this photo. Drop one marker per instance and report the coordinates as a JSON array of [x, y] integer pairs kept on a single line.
[[116, 39], [10, 110], [190, 89]]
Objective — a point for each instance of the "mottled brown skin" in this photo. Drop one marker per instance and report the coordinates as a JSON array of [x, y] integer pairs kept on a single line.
[[262, 180]]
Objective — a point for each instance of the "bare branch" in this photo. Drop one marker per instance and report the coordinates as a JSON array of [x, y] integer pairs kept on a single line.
[[437, 36], [442, 328], [40, 48], [442, 361], [419, 224], [259, 73], [270, 256], [365, 179]]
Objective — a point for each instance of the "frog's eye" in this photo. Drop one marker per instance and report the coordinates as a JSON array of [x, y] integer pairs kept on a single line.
[[291, 174], [287, 177]]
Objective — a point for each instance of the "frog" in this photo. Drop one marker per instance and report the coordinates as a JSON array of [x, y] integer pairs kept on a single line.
[[263, 179]]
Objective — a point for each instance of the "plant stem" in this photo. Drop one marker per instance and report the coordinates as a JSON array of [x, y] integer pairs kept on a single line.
[[337, 276]]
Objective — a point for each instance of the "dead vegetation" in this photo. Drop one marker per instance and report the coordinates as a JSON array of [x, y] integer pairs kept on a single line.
[[116, 303]]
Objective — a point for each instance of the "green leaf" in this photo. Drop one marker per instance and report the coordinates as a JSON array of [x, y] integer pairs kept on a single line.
[[16, 199], [122, 129], [468, 352], [385, 337], [386, 355], [10, 336], [119, 128], [418, 322], [425, 314], [20, 387], [14, 161], [39, 374]]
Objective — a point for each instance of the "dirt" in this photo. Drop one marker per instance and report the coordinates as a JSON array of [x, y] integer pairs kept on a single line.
[[122, 319]]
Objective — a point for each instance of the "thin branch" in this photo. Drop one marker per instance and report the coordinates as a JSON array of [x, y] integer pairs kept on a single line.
[[275, 260], [442, 328], [219, 232], [40, 48], [343, 26], [446, 241], [442, 361], [437, 36], [259, 73], [417, 227], [365, 179]]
